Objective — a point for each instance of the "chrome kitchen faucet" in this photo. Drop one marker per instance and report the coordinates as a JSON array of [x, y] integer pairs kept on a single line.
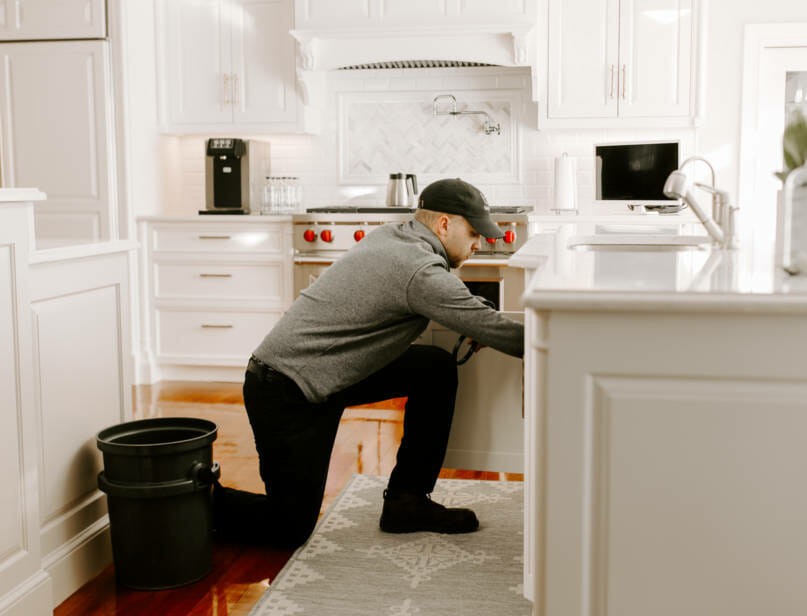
[[679, 186]]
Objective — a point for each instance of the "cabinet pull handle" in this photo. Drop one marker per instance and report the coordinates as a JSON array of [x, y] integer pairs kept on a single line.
[[214, 326], [235, 89], [216, 275], [214, 237], [624, 80], [225, 78], [611, 95]]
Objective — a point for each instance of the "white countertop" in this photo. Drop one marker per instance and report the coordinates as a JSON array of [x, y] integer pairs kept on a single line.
[[16, 195], [700, 279], [250, 218]]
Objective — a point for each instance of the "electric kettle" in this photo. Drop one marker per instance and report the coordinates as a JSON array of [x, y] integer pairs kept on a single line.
[[402, 190]]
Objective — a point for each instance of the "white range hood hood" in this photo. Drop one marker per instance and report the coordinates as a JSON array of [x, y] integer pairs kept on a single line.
[[322, 50]]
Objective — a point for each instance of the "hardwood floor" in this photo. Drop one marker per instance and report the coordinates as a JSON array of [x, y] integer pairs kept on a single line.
[[367, 441]]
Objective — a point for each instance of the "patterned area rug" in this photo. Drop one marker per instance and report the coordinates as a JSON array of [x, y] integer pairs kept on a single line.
[[349, 567]]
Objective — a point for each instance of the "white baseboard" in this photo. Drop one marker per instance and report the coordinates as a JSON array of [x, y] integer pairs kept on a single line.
[[501, 462], [79, 560], [31, 598], [229, 374]]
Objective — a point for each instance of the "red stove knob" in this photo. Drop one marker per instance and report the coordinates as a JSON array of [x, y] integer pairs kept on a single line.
[[359, 235], [326, 236], [310, 235], [509, 237], [491, 240]]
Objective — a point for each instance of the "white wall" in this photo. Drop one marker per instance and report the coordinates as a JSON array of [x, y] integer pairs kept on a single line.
[[719, 138], [168, 172], [154, 185]]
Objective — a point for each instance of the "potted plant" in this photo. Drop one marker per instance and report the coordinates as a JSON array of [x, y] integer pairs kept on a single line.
[[791, 235], [794, 145]]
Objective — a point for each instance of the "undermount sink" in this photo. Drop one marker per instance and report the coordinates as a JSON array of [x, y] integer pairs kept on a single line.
[[637, 242]]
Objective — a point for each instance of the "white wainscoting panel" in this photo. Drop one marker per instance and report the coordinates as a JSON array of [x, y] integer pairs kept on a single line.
[[25, 587], [74, 348], [12, 512], [689, 468], [81, 348]]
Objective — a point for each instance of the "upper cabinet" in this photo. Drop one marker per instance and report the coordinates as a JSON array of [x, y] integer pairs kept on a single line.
[[226, 66], [620, 63], [56, 121], [46, 19], [372, 13]]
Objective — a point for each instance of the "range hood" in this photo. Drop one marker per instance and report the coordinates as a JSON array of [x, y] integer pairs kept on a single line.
[[325, 50], [504, 45]]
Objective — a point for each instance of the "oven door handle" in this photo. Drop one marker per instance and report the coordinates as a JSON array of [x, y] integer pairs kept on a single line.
[[472, 348]]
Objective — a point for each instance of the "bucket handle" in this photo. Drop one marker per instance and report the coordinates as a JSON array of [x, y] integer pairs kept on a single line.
[[205, 473]]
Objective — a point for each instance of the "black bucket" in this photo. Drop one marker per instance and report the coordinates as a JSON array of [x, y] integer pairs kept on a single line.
[[158, 474]]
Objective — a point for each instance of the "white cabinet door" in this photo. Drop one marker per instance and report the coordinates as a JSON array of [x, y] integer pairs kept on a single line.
[[487, 431], [197, 61], [226, 66], [56, 119], [46, 19], [357, 14], [620, 62], [583, 58], [263, 63], [655, 58], [318, 13]]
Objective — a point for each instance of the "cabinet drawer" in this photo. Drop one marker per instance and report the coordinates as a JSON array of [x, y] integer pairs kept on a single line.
[[204, 336], [175, 280], [210, 239]]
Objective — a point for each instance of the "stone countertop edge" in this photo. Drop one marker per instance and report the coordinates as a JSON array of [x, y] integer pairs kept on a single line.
[[246, 218], [18, 195], [80, 251]]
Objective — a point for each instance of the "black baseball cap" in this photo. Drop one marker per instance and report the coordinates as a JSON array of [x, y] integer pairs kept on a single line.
[[453, 196]]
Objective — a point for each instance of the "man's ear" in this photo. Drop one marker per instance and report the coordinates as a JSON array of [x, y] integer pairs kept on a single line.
[[442, 225]]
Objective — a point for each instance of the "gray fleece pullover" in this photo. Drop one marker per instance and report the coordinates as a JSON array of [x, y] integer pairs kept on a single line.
[[367, 308]]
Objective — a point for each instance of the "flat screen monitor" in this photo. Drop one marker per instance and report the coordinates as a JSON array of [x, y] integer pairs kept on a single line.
[[634, 173]]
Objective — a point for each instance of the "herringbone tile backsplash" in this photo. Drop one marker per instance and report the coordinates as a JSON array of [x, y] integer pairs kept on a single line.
[[384, 137], [381, 122]]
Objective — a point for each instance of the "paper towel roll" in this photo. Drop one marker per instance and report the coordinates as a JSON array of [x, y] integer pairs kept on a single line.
[[565, 183]]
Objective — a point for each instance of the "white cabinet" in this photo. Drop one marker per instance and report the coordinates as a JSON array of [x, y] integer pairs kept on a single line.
[[212, 289], [665, 461], [46, 19], [620, 63], [22, 579], [487, 431], [65, 373], [369, 13], [58, 134], [226, 66]]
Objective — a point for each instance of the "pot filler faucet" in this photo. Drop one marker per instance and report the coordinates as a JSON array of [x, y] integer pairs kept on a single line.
[[721, 230]]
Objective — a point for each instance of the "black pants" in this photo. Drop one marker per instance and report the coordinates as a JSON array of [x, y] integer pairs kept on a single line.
[[294, 439]]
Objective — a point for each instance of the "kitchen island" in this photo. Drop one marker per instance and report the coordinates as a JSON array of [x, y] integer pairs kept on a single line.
[[666, 430]]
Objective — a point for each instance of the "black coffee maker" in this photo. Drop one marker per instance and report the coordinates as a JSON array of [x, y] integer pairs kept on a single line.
[[229, 165]]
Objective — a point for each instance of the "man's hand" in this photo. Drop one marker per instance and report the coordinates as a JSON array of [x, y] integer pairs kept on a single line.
[[475, 345]]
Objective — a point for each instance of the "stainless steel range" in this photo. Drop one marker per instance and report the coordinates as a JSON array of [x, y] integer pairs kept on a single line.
[[332, 230], [323, 234]]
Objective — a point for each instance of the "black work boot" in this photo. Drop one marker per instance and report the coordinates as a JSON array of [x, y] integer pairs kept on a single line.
[[409, 513]]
